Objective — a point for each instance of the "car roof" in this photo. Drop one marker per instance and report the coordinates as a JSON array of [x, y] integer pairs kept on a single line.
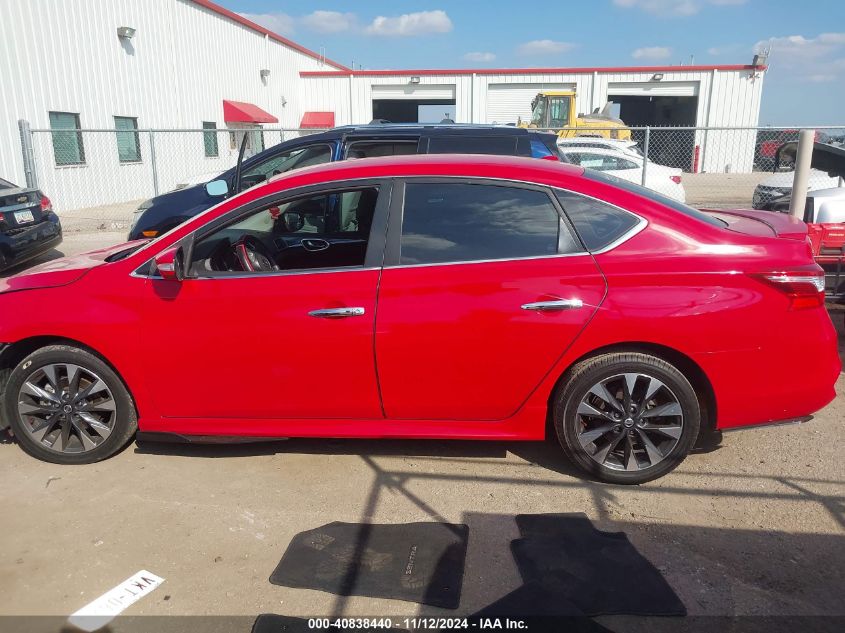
[[604, 151], [468, 165], [375, 130], [576, 140]]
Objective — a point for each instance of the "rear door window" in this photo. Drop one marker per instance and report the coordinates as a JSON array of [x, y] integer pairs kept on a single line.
[[459, 222], [460, 144], [372, 149]]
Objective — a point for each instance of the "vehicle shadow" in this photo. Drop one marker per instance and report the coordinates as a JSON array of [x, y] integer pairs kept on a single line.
[[546, 454]]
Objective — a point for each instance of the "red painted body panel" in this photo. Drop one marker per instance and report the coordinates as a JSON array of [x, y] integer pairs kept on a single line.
[[271, 359], [449, 347], [463, 336]]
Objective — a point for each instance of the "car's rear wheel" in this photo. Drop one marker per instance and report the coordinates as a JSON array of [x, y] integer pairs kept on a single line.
[[626, 417], [66, 406]]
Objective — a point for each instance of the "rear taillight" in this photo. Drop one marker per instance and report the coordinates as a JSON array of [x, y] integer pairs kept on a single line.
[[804, 287], [675, 179], [46, 205]]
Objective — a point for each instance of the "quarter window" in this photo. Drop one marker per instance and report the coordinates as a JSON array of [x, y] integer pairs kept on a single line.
[[128, 143], [455, 222], [209, 139], [67, 138], [597, 223]]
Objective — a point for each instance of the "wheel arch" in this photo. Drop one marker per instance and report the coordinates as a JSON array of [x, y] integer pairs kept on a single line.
[[14, 353], [687, 366]]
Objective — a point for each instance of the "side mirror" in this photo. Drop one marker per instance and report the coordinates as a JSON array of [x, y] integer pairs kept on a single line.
[[217, 188], [170, 264]]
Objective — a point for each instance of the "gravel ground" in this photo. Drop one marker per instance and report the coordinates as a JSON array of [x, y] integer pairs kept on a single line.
[[754, 526]]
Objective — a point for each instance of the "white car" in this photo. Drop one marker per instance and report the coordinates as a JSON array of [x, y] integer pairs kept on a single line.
[[780, 184], [619, 145], [665, 180]]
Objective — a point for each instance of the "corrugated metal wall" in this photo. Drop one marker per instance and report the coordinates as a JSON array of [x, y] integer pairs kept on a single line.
[[174, 73], [484, 98]]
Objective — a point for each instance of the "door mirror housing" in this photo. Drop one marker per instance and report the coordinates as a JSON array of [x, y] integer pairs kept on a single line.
[[170, 264], [217, 188]]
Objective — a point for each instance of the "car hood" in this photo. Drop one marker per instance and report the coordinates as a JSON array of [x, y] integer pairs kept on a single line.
[[783, 179], [64, 271]]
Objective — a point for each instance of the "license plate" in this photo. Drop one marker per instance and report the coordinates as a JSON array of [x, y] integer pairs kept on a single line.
[[22, 217]]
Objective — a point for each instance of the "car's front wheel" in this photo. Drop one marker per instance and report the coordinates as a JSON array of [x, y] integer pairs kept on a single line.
[[66, 406], [626, 417]]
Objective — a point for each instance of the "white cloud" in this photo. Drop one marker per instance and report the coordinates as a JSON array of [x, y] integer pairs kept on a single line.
[[652, 52], [329, 21], [814, 59], [411, 24], [673, 7], [544, 47], [795, 49], [479, 57], [280, 23]]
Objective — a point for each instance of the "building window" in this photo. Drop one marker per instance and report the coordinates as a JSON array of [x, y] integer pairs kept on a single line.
[[128, 143], [209, 139], [67, 139]]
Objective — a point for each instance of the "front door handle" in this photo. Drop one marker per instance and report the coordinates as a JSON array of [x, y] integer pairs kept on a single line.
[[554, 306], [336, 313], [314, 244]]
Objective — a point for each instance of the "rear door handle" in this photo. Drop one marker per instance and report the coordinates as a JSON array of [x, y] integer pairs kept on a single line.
[[554, 306], [336, 313]]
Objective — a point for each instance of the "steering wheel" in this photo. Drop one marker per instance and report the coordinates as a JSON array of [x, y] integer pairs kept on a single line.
[[253, 255]]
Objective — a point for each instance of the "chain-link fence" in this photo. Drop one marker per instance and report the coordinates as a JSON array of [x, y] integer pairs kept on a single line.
[[97, 178], [704, 167]]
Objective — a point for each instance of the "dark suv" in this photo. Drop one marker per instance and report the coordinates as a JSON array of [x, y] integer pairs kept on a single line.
[[160, 214]]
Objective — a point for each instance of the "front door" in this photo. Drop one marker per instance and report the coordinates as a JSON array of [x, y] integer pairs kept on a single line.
[[276, 318], [484, 288]]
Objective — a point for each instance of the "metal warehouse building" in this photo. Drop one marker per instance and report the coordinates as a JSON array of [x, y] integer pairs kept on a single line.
[[190, 64], [687, 96]]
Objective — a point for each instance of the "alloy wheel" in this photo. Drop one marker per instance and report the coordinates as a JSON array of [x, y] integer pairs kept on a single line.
[[629, 422], [66, 408]]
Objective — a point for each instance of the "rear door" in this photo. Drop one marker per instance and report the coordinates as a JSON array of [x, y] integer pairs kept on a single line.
[[484, 287]]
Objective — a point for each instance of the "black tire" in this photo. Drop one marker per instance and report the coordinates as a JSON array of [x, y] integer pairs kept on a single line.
[[578, 382], [124, 421]]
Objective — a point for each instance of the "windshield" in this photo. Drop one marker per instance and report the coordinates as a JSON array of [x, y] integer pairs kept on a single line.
[[538, 114], [5, 184], [286, 161]]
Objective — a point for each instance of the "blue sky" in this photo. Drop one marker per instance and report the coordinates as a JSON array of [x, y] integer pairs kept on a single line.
[[804, 86]]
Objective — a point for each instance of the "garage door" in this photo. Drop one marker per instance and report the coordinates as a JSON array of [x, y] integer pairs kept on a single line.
[[507, 102], [654, 88], [414, 91]]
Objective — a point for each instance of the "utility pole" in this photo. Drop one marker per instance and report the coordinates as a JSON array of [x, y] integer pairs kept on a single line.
[[803, 156]]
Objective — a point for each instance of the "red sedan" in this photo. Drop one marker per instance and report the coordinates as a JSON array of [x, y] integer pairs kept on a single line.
[[426, 297]]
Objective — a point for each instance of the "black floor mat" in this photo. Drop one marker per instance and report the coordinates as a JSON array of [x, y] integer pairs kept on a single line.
[[417, 562], [596, 573]]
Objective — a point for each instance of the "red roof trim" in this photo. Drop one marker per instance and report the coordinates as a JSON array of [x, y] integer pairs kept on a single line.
[[216, 8], [317, 120], [525, 71], [240, 112]]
